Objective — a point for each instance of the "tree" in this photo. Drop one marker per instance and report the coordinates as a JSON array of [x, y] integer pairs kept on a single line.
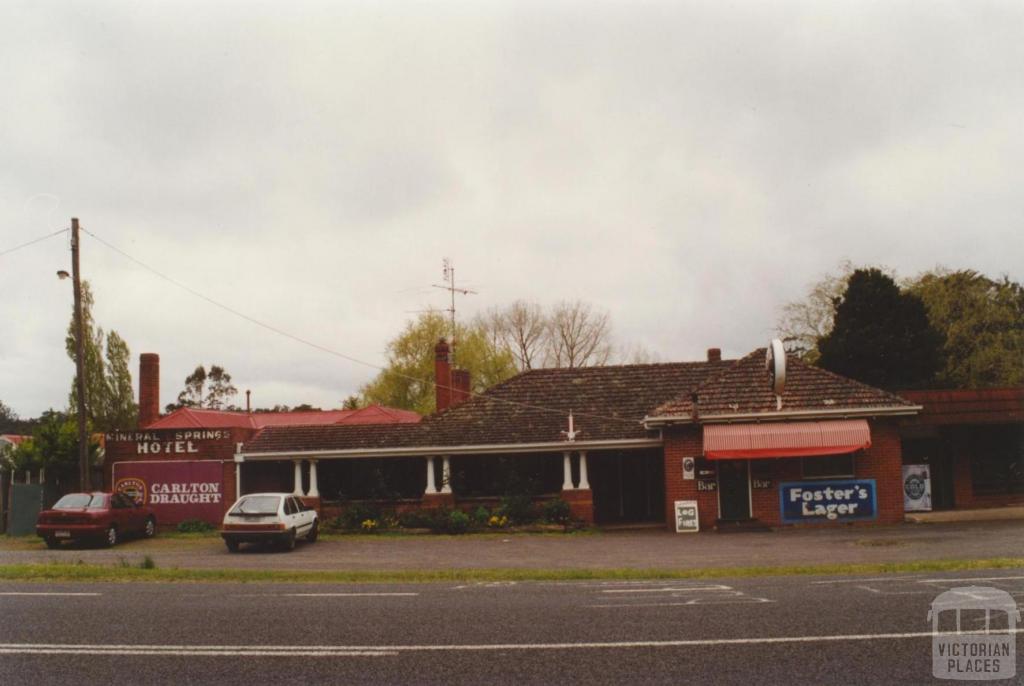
[[110, 403], [982, 322], [408, 380], [804, 322], [11, 423], [579, 335], [197, 393], [53, 447], [522, 328], [352, 402], [880, 335]]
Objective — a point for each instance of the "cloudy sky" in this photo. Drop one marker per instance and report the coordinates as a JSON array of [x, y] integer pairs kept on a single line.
[[689, 167]]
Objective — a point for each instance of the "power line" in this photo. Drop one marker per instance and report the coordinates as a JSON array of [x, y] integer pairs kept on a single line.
[[33, 242], [330, 351]]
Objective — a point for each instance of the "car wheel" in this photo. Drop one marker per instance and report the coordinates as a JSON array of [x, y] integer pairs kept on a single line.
[[289, 540], [232, 545], [52, 542], [110, 539], [150, 530], [314, 532]]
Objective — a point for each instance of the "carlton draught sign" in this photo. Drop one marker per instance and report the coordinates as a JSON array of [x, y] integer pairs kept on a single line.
[[177, 490]]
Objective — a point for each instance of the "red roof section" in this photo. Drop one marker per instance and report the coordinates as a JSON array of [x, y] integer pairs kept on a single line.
[[14, 439], [192, 418], [978, 406]]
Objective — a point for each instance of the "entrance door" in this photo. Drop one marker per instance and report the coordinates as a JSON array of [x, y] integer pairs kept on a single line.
[[733, 490]]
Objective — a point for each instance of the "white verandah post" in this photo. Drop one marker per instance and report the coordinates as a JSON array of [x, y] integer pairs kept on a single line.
[[431, 487], [567, 471], [583, 470], [446, 474], [298, 478], [314, 492]]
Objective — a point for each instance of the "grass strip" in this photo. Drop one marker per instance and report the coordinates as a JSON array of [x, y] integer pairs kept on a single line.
[[91, 572]]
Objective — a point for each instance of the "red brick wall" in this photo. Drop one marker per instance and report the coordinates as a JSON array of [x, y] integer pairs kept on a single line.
[[123, 447], [882, 462]]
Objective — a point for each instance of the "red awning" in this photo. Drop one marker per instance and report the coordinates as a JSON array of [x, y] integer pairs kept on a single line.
[[785, 439]]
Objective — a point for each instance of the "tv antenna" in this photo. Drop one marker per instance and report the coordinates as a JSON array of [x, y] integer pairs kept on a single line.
[[449, 285]]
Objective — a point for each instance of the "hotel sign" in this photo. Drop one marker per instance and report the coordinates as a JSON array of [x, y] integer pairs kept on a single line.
[[183, 442]]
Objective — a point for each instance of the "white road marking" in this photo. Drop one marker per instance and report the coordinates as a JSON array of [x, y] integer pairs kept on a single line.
[[667, 589], [919, 580], [330, 651], [353, 594], [47, 593]]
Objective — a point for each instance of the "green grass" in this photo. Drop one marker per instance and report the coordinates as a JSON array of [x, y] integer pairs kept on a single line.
[[142, 572]]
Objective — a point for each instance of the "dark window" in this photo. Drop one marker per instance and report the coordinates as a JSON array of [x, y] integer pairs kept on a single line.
[[289, 506], [828, 466], [997, 459], [257, 505]]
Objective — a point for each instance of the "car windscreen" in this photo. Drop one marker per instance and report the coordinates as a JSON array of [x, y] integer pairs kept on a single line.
[[76, 501], [257, 505]]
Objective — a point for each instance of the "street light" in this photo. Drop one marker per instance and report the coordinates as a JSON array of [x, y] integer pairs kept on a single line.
[[84, 479]]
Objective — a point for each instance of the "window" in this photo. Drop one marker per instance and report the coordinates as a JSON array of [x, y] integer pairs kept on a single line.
[[828, 466], [997, 460], [257, 505]]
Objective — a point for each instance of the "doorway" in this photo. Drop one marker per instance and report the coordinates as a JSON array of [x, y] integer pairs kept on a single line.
[[734, 490], [628, 487]]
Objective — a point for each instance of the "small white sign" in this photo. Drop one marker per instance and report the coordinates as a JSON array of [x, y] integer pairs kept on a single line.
[[687, 517], [689, 467], [917, 488]]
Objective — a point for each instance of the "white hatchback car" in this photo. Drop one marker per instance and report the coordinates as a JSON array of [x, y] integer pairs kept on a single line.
[[279, 518]]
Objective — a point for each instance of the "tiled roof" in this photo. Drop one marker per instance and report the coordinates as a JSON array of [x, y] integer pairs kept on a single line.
[[981, 406], [14, 439], [532, 407], [745, 388], [608, 403], [192, 418]]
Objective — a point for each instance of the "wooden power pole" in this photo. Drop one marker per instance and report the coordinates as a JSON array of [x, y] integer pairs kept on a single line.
[[84, 476]]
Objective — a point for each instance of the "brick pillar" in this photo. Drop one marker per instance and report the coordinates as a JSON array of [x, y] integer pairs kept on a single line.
[[149, 389], [442, 376]]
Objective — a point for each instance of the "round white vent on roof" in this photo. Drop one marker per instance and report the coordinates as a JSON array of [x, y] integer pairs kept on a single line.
[[776, 364]]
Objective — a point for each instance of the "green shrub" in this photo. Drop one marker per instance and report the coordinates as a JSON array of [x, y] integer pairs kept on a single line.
[[518, 508], [415, 519], [334, 524], [357, 513], [557, 511], [195, 526], [458, 522], [481, 516]]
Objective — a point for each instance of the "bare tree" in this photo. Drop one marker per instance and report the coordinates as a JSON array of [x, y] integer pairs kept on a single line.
[[578, 336], [522, 329]]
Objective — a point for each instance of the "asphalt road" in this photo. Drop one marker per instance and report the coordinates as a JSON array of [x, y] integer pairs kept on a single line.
[[798, 630]]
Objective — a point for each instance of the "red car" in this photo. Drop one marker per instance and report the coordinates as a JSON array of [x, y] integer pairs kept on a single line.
[[106, 517]]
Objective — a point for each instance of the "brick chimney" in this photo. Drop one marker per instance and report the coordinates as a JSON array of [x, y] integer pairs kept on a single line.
[[460, 386], [149, 389], [442, 376], [714, 354]]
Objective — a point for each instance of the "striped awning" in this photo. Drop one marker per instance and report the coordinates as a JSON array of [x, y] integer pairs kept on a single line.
[[785, 439]]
